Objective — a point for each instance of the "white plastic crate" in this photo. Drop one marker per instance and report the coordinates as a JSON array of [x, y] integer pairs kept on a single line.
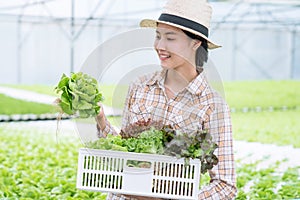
[[164, 176]]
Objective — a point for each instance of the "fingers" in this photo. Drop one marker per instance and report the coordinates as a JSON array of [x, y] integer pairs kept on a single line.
[[100, 118], [101, 114], [143, 122], [57, 101]]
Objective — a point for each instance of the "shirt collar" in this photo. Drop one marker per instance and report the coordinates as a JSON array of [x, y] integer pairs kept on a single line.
[[158, 77]]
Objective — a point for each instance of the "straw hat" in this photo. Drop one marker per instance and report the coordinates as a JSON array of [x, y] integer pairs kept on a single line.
[[190, 15]]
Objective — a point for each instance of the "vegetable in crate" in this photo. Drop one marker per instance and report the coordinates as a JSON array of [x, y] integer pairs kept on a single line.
[[155, 139], [79, 95], [195, 145]]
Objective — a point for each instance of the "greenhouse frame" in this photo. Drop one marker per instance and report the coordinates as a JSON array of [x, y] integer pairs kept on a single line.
[[43, 38]]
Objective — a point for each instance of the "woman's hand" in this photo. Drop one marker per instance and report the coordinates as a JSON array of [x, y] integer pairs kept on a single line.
[[101, 118], [101, 114], [56, 103], [143, 122]]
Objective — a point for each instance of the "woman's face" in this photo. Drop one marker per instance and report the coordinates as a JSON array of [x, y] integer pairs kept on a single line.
[[174, 48]]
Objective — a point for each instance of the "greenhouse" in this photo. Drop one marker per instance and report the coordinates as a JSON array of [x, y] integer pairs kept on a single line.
[[57, 36], [80, 117]]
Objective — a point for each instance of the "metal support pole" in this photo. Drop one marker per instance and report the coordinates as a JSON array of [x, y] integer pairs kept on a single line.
[[293, 52], [91, 16], [234, 52], [19, 47], [72, 36], [19, 53]]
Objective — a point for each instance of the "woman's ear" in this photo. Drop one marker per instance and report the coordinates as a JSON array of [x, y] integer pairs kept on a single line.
[[197, 44]]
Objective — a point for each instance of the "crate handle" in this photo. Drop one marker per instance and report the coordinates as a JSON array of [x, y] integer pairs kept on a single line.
[[139, 164]]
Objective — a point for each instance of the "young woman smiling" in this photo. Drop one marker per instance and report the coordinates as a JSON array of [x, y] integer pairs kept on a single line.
[[179, 95]]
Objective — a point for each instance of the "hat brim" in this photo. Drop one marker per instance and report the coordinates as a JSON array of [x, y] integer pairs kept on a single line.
[[153, 24]]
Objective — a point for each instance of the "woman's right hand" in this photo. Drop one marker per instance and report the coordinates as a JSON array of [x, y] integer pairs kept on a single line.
[[100, 118], [101, 112]]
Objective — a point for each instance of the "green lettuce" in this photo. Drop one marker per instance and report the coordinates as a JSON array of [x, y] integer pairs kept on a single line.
[[165, 141], [79, 95]]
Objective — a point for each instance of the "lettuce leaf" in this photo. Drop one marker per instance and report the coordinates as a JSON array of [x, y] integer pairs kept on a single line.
[[79, 95]]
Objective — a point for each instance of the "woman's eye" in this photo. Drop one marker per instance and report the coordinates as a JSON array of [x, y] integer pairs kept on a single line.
[[157, 37], [170, 39]]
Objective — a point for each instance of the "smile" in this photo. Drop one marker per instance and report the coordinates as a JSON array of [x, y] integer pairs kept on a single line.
[[164, 56]]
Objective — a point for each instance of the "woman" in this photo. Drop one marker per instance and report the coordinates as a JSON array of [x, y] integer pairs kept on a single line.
[[179, 95]]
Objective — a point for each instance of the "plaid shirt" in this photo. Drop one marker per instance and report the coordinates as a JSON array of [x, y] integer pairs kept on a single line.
[[196, 107]]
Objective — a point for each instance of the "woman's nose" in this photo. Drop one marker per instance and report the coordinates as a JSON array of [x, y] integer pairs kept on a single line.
[[160, 44]]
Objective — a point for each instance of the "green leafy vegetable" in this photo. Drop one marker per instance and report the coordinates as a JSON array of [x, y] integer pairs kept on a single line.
[[149, 141], [164, 141], [79, 94], [195, 145], [32, 161]]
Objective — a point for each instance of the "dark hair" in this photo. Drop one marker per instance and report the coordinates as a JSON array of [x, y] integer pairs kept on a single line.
[[201, 53]]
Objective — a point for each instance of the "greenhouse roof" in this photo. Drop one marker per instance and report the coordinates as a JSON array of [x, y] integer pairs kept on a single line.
[[241, 12]]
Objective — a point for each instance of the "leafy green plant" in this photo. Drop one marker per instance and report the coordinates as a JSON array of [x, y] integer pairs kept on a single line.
[[267, 183], [165, 141], [36, 165], [79, 94]]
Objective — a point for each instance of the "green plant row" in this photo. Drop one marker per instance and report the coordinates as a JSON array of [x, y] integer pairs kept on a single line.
[[281, 128], [10, 106], [38, 164], [267, 183], [35, 165], [262, 94], [42, 89]]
